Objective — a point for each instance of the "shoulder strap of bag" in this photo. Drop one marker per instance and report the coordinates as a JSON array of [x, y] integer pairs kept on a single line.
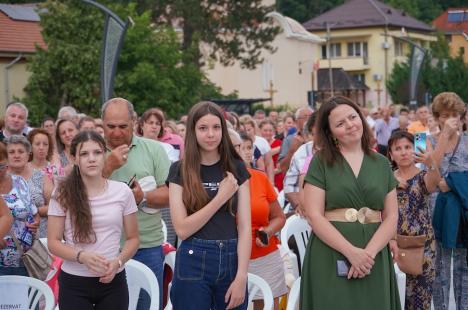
[[453, 154]]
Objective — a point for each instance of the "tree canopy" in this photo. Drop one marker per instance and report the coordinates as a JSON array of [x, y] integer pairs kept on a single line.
[[151, 71], [439, 73]]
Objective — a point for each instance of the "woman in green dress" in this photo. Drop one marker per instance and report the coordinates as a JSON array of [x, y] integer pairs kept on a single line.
[[351, 204]]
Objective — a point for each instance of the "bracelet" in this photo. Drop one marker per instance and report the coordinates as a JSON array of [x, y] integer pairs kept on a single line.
[[78, 256]]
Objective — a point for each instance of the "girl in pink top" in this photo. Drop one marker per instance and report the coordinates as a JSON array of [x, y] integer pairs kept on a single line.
[[91, 213]]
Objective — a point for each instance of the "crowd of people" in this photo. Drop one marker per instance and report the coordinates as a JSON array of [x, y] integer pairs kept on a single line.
[[371, 184]]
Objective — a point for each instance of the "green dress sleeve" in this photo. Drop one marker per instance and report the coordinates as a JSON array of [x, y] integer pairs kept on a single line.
[[316, 173]]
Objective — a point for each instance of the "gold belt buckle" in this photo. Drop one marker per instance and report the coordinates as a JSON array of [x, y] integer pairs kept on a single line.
[[351, 215], [361, 216]]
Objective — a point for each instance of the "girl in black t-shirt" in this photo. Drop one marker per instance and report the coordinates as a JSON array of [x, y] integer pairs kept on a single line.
[[209, 202]]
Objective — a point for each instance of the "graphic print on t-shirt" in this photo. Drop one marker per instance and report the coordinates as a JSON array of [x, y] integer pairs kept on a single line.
[[211, 186]]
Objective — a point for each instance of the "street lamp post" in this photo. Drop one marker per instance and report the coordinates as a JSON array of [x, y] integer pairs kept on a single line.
[[330, 70]]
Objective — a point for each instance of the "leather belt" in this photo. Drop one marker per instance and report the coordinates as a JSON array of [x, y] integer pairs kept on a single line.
[[363, 215]]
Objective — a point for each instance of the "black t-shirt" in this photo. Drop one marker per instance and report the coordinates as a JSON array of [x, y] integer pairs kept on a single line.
[[222, 225]]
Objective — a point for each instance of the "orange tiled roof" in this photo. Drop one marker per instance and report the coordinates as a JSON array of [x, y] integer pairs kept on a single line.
[[442, 23], [19, 35]]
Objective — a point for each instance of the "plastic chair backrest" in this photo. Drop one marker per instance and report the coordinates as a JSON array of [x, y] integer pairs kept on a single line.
[[139, 276], [37, 290], [293, 297], [255, 284], [164, 230], [300, 229], [401, 282], [169, 260]]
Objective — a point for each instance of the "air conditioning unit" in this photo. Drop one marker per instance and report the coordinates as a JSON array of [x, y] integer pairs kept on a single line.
[[385, 45], [377, 77]]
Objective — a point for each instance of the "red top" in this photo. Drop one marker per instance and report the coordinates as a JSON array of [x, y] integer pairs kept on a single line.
[[262, 194]]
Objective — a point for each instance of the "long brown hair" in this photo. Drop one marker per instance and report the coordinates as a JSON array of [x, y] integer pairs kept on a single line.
[[325, 141], [72, 195], [194, 195]]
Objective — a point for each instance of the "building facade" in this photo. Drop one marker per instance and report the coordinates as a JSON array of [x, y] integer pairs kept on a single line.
[[454, 24], [19, 33], [367, 48], [286, 75]]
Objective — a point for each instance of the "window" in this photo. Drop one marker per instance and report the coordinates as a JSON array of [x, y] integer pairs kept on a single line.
[[360, 77], [335, 50], [354, 49], [455, 16], [324, 52], [399, 48]]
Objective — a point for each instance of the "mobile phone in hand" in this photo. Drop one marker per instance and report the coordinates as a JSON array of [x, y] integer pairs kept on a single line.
[[263, 236], [131, 183], [342, 268], [420, 142]]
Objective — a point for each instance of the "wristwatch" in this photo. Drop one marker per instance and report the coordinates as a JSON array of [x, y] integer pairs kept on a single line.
[[143, 200]]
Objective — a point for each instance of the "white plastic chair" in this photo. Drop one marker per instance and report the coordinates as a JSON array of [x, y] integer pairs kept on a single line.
[[37, 290], [169, 260], [255, 284], [300, 229], [293, 297], [139, 276], [401, 282]]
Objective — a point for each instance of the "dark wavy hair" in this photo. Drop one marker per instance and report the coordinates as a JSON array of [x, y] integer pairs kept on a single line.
[[72, 195], [194, 195], [396, 136], [328, 149]]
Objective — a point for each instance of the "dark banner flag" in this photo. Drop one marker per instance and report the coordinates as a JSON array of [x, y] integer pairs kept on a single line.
[[114, 33], [417, 57]]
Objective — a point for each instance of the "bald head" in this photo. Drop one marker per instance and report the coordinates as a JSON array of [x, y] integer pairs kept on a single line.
[[117, 103], [117, 118]]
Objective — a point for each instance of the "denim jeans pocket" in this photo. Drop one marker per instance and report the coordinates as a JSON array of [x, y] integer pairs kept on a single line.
[[190, 264], [232, 265]]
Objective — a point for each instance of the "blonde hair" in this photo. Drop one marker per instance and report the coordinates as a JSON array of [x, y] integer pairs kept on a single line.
[[447, 101]]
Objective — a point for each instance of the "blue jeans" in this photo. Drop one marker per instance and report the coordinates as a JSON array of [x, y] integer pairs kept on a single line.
[[442, 282], [153, 258], [203, 273]]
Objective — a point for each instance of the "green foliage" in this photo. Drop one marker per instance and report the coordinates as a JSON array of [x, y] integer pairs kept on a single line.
[[439, 73], [303, 10], [151, 71], [226, 30], [67, 72]]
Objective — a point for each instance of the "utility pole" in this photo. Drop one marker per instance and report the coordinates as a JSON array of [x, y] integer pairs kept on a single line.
[[330, 71]]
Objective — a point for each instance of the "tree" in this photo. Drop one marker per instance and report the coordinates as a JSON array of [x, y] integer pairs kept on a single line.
[[150, 70], [304, 10], [226, 30], [439, 73]]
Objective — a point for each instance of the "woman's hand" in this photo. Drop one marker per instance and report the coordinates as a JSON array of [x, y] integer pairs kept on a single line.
[[95, 263], [443, 186], [227, 188], [33, 227], [361, 262], [424, 157], [111, 271], [451, 127], [236, 293], [394, 249]]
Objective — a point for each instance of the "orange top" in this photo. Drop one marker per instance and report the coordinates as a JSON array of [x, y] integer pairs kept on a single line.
[[262, 194], [416, 126]]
